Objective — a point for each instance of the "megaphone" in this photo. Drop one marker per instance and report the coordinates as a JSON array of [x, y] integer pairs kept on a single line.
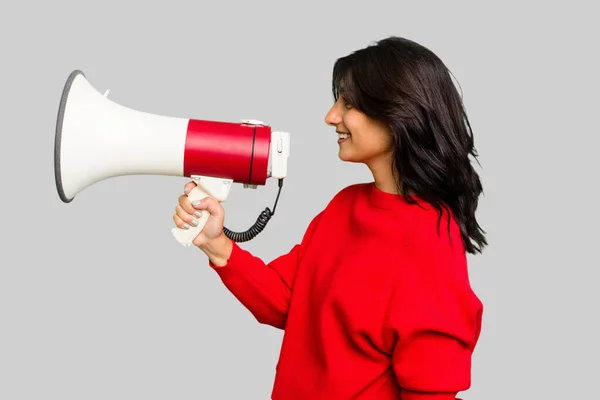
[[97, 138]]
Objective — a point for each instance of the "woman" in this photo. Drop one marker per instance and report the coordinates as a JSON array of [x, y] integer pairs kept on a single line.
[[375, 300]]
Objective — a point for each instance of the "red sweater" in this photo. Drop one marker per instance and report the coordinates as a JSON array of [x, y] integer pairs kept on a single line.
[[373, 303]]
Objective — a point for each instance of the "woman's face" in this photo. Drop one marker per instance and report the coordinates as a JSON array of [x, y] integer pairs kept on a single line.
[[360, 138]]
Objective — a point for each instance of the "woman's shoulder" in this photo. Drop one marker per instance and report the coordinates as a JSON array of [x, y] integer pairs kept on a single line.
[[351, 190]]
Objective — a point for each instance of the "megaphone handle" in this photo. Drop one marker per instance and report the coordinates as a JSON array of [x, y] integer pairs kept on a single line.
[[187, 236]]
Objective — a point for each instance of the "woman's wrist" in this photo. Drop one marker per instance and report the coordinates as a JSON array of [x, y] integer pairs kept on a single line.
[[218, 250]]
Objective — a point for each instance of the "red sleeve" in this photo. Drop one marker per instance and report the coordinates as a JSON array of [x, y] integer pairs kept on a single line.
[[436, 320], [263, 288]]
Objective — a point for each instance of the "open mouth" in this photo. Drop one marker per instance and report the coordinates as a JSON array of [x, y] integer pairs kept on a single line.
[[342, 137]]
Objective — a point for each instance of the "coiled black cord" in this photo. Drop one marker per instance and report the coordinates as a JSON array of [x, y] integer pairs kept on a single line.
[[259, 225]]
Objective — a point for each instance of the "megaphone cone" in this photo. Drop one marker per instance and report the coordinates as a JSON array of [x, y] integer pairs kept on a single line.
[[97, 138]]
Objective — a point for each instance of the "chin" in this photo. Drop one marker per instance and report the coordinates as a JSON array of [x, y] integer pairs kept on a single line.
[[347, 157]]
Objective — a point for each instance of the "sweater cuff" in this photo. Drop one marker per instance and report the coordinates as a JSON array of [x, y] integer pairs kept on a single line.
[[408, 395], [231, 262]]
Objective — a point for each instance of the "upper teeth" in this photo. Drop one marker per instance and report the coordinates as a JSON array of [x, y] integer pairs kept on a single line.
[[343, 135]]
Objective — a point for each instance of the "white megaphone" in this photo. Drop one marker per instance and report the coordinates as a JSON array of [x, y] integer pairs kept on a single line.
[[98, 139]]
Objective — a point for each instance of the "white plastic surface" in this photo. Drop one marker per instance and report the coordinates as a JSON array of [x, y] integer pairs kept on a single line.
[[102, 139], [252, 122], [280, 152]]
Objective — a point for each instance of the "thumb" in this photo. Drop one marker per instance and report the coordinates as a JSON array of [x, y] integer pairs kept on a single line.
[[209, 204]]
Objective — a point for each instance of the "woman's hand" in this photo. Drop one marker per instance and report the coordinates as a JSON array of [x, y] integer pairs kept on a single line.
[[211, 238]]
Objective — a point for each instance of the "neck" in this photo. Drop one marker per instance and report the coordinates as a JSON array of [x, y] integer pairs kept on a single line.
[[383, 176]]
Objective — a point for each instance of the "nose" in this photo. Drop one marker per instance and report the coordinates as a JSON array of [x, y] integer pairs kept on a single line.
[[333, 116]]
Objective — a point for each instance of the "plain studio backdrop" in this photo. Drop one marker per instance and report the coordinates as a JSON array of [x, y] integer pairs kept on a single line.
[[97, 299]]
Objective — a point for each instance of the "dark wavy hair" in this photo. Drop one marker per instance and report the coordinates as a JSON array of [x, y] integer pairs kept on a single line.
[[406, 86]]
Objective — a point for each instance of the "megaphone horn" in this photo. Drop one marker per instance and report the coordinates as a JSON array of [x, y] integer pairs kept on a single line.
[[97, 138]]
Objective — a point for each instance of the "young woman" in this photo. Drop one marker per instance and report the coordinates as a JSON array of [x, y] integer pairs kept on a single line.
[[375, 300]]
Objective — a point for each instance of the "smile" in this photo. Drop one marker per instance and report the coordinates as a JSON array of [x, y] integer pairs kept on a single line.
[[342, 137]]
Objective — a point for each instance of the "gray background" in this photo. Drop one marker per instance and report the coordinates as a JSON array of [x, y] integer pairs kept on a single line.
[[97, 300]]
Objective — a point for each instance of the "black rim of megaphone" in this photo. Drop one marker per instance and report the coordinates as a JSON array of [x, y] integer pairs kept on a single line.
[[58, 135]]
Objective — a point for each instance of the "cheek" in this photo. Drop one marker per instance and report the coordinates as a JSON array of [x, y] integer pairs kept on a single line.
[[384, 139], [374, 140], [380, 145], [367, 135], [354, 119]]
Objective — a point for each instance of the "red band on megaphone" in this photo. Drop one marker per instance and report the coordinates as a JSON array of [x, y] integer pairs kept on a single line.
[[227, 150]]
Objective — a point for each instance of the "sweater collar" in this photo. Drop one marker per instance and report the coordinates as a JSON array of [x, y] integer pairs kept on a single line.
[[387, 201]]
